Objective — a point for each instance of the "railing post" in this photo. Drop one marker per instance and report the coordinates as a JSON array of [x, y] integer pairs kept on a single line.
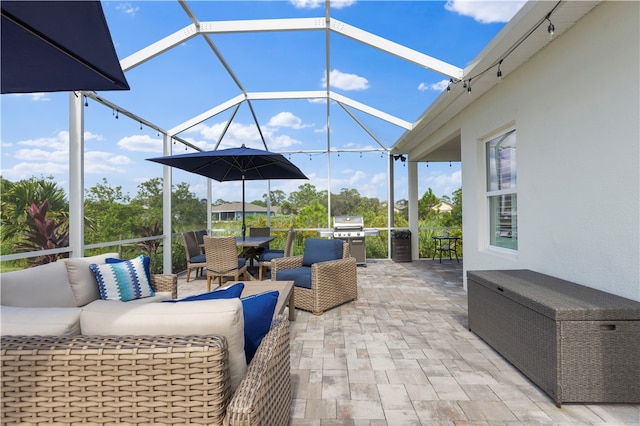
[[167, 262], [76, 174]]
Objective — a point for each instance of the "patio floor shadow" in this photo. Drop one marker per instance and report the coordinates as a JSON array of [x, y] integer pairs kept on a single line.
[[402, 355]]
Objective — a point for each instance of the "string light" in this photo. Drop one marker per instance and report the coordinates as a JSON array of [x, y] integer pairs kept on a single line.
[[86, 103], [117, 114], [469, 87], [551, 28], [140, 125], [449, 85], [499, 73]]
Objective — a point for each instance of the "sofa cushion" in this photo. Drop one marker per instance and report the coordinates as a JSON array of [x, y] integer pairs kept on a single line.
[[126, 280], [221, 317], [228, 292], [82, 279], [321, 250], [43, 286], [257, 310], [19, 321], [301, 277]]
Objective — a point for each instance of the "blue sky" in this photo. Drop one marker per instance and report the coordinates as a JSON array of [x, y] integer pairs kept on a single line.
[[189, 80]]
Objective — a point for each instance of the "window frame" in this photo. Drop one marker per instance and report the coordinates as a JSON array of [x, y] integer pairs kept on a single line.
[[490, 194]]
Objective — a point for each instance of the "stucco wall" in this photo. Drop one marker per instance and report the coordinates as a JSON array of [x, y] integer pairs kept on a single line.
[[575, 106]]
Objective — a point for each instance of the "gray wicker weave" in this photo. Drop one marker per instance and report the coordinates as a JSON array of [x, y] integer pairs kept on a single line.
[[332, 283], [577, 343], [142, 380]]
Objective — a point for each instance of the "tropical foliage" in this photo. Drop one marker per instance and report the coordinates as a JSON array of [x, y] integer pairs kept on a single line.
[[35, 217]]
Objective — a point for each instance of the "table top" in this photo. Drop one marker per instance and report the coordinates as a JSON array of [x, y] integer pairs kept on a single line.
[[442, 237], [254, 241]]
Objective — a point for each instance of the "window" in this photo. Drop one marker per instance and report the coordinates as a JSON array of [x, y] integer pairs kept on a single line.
[[502, 198]]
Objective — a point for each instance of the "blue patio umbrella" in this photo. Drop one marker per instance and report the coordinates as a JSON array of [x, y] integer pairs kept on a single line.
[[235, 164], [51, 46]]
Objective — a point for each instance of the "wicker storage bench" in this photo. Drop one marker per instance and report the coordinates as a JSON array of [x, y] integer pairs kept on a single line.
[[576, 343]]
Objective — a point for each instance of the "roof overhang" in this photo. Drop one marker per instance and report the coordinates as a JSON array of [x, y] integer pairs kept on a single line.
[[523, 36]]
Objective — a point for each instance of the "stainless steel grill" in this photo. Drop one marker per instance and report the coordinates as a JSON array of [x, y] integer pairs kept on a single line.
[[351, 229]]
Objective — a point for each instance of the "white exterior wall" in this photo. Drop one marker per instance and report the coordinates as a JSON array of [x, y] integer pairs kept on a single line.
[[575, 107]]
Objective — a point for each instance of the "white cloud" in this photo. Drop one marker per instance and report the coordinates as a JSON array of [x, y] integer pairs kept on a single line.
[[314, 4], [39, 96], [26, 170], [444, 184], [128, 8], [485, 12], [239, 134], [346, 81], [438, 87], [141, 143], [104, 162], [287, 119]]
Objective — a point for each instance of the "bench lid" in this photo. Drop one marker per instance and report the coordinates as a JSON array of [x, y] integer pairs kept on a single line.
[[557, 298]]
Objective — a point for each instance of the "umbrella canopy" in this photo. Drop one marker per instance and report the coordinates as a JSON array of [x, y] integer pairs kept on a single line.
[[50, 46], [235, 164]]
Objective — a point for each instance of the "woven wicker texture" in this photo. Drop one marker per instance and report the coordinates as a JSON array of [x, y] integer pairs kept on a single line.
[[577, 343], [114, 379], [264, 397], [332, 283], [191, 249], [222, 259], [165, 283]]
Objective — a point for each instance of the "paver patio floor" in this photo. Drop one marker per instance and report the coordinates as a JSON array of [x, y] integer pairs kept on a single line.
[[402, 355]]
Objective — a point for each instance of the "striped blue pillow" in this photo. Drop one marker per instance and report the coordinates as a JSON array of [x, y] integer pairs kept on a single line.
[[126, 280]]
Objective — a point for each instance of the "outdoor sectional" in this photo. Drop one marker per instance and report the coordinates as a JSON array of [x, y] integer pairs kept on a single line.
[[70, 358]]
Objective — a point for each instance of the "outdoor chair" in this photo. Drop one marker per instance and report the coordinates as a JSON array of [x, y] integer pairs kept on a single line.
[[324, 277], [195, 258], [200, 238], [223, 261], [258, 232], [265, 258]]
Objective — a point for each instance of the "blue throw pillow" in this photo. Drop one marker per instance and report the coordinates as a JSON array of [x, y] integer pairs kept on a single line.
[[321, 250], [230, 292], [258, 314], [125, 280], [146, 261]]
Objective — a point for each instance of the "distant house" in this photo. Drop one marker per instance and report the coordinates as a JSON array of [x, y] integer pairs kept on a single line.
[[233, 211], [443, 207]]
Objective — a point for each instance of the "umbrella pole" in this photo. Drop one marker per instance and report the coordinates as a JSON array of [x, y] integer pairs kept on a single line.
[[244, 226]]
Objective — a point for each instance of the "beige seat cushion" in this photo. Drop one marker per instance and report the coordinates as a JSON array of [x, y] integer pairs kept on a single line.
[[43, 286], [220, 317], [18, 321], [81, 278]]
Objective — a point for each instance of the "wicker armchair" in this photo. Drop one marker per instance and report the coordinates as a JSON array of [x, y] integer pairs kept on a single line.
[[333, 282], [77, 380]]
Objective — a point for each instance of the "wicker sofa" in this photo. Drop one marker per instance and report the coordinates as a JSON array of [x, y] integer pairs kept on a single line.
[[71, 374]]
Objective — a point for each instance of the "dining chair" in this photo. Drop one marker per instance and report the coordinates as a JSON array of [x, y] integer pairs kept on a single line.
[[222, 260], [265, 258], [200, 233], [195, 258], [254, 231]]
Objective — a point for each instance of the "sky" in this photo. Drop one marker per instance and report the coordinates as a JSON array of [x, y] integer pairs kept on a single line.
[[188, 80]]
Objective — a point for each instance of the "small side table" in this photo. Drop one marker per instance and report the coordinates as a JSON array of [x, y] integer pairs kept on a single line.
[[445, 243]]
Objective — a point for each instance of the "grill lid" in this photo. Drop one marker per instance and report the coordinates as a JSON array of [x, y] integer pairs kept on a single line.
[[348, 222]]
